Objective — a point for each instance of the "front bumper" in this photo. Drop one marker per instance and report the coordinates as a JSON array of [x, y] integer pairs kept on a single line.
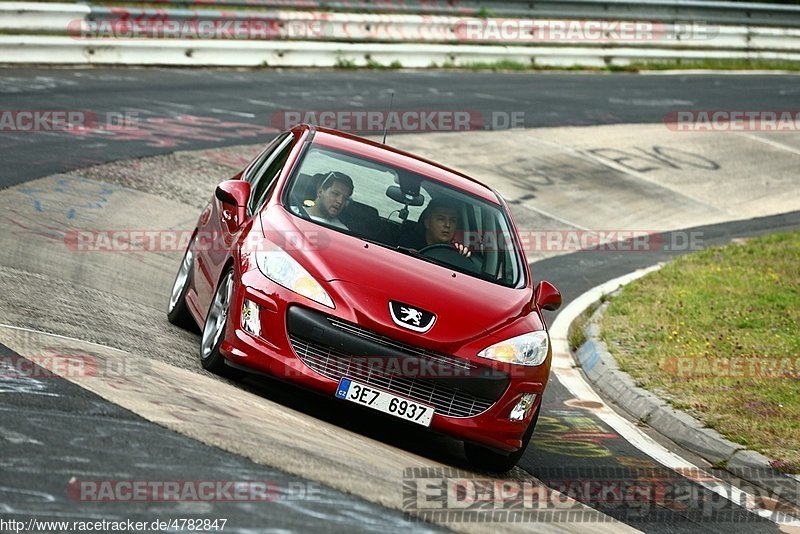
[[315, 347]]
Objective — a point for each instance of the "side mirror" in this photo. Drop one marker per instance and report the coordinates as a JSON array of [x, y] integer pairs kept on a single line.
[[235, 192], [546, 296]]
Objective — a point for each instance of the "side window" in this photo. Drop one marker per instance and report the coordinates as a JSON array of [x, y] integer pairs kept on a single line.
[[252, 171], [266, 175]]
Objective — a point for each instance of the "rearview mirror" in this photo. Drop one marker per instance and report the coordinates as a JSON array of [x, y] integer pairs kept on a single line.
[[409, 198], [546, 296]]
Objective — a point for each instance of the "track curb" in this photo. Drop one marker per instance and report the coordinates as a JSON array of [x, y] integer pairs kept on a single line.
[[602, 370]]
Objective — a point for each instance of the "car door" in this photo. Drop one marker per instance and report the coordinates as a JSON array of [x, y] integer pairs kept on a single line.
[[222, 225]]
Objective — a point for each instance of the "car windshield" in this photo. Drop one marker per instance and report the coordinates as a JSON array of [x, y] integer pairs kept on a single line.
[[406, 212]]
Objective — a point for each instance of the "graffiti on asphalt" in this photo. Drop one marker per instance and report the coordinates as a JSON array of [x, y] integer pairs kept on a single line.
[[572, 433], [540, 172], [657, 157], [73, 195], [170, 132]]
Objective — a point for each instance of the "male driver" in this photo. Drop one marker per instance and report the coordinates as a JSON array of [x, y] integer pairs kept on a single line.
[[332, 196], [440, 220]]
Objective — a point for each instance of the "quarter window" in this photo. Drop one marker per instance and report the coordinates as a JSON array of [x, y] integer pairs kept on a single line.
[[255, 166], [269, 170]]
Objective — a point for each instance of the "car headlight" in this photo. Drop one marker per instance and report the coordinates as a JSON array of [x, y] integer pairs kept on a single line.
[[282, 269], [527, 349]]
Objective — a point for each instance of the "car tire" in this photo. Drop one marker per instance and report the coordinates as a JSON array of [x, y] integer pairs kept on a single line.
[[490, 460], [214, 329], [177, 310]]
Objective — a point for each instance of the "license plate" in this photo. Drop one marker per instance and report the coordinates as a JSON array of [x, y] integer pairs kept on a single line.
[[383, 401]]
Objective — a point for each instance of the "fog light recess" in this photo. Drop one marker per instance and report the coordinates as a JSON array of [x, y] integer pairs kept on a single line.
[[251, 317], [523, 407]]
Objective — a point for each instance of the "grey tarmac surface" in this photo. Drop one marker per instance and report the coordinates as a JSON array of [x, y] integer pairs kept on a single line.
[[57, 435], [180, 109], [86, 288]]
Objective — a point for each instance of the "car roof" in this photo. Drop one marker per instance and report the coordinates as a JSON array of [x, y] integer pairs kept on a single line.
[[336, 139]]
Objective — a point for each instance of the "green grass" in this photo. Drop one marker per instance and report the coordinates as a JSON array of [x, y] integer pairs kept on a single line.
[[494, 66], [347, 64], [394, 65], [575, 334], [695, 332], [508, 65]]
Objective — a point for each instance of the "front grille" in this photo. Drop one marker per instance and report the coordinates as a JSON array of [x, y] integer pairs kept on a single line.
[[445, 399], [391, 343]]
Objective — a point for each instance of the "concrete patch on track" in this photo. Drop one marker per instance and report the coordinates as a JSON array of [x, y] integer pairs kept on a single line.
[[625, 177]]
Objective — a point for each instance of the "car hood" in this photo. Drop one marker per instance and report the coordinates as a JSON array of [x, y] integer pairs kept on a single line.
[[367, 276]]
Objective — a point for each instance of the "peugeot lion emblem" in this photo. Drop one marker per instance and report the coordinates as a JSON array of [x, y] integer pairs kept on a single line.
[[410, 317]]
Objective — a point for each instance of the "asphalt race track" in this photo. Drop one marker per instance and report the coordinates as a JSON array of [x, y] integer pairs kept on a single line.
[[230, 100], [594, 153]]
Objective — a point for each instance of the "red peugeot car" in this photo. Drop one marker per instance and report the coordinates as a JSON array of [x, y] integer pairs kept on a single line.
[[376, 277]]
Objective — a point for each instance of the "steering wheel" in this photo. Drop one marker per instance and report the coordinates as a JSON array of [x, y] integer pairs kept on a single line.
[[296, 203], [445, 252]]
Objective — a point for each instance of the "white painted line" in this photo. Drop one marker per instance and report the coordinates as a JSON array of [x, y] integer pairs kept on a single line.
[[650, 102], [18, 438], [264, 103], [172, 104], [772, 143], [571, 377], [556, 217], [495, 98], [234, 113], [33, 331]]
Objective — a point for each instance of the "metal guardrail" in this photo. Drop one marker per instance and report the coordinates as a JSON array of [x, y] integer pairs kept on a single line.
[[316, 26], [92, 24], [711, 12], [76, 33], [181, 52]]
